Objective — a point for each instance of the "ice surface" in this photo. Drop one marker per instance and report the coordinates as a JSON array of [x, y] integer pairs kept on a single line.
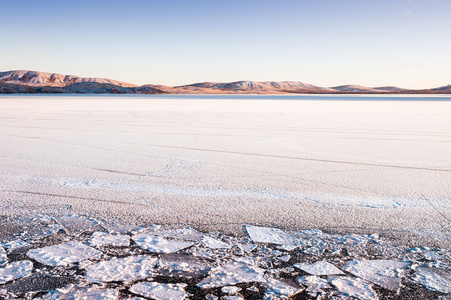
[[182, 266], [75, 224], [319, 268], [3, 257], [186, 234], [102, 239], [269, 235], [232, 297], [159, 244], [82, 294], [13, 245], [160, 291], [354, 287], [63, 254], [435, 280], [126, 269], [232, 273], [214, 243], [39, 231], [278, 289], [14, 270], [230, 289], [314, 284], [386, 273], [247, 247]]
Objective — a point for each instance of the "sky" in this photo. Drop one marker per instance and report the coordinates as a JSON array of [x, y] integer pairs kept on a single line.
[[403, 43]]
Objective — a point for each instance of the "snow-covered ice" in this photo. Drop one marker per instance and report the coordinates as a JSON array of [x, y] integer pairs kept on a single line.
[[231, 274], [269, 235], [230, 289], [354, 287], [214, 243], [319, 268], [126, 269], [75, 224], [3, 256], [278, 289], [14, 270], [436, 280], [63, 254], [13, 245], [83, 294], [185, 234], [315, 284], [159, 244], [386, 273], [160, 291], [103, 239]]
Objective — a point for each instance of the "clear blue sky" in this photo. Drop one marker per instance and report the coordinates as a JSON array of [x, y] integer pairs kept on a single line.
[[324, 42]]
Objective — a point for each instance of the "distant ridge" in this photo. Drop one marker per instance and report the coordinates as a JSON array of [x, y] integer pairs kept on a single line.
[[34, 82]]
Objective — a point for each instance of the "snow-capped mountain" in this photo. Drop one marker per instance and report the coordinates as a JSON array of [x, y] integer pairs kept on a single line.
[[358, 88], [32, 82], [34, 78]]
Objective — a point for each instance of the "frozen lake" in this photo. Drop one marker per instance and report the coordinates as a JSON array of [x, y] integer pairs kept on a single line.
[[341, 163]]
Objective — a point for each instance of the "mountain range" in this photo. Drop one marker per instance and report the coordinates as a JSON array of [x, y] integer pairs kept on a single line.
[[33, 82]]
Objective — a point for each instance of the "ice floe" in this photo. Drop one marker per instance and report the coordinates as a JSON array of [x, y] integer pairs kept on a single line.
[[232, 273], [319, 268], [13, 245], [63, 254], [126, 269], [82, 294], [185, 234], [214, 243], [315, 284], [76, 225], [103, 239], [278, 289], [158, 244], [386, 273], [230, 289], [160, 291], [354, 287], [14, 270], [269, 235], [436, 280], [3, 257]]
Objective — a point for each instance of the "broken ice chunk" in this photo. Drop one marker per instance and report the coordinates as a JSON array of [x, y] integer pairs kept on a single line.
[[126, 269], [235, 297], [278, 289], [319, 268], [214, 243], [120, 228], [247, 247], [76, 225], [91, 294], [13, 245], [433, 280], [287, 247], [3, 257], [160, 291], [185, 234], [269, 235], [14, 270], [40, 231], [182, 266], [230, 289], [354, 287], [159, 244], [314, 284], [63, 254], [386, 273], [103, 239], [231, 274], [285, 258]]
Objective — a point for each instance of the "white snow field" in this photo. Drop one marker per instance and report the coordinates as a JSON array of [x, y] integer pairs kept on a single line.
[[363, 164]]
